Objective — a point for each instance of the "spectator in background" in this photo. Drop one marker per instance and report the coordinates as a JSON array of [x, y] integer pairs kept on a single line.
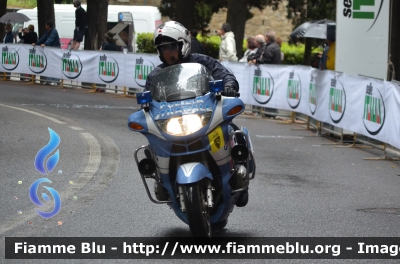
[[29, 36], [80, 25], [279, 41], [9, 36], [227, 49], [261, 45], [109, 42], [51, 39], [251, 49], [328, 56], [196, 46], [272, 52]]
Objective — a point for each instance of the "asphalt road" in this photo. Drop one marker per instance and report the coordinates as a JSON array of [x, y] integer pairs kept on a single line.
[[302, 188]]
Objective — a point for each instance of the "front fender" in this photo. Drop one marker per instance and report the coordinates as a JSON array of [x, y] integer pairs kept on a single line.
[[192, 172]]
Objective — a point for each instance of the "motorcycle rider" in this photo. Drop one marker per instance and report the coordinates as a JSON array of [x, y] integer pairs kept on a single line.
[[173, 44]]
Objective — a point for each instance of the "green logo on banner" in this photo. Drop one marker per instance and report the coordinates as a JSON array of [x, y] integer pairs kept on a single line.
[[363, 9], [312, 99], [9, 58], [313, 93], [71, 65], [374, 110], [336, 100], [293, 90], [262, 86], [142, 71], [108, 69], [37, 61]]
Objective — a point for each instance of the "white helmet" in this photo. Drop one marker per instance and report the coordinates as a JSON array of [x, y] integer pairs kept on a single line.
[[171, 32]]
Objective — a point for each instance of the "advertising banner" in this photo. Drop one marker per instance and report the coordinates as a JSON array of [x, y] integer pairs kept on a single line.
[[362, 37], [356, 103]]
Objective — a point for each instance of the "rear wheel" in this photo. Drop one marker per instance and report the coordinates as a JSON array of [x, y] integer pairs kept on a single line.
[[197, 211]]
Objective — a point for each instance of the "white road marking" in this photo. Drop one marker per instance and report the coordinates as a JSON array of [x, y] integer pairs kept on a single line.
[[76, 128], [36, 113], [266, 136]]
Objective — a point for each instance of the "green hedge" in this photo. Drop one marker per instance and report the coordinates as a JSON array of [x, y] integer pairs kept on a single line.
[[293, 53], [145, 43]]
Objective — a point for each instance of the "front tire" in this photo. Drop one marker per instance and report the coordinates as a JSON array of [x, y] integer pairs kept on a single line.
[[197, 211]]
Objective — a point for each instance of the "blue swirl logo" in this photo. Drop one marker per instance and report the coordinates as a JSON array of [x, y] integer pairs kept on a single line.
[[35, 199], [45, 151]]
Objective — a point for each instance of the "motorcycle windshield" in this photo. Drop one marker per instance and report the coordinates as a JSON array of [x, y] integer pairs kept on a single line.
[[180, 82]]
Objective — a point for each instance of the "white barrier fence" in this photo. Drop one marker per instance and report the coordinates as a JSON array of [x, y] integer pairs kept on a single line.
[[363, 105]]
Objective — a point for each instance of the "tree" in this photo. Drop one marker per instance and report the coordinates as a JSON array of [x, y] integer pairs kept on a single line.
[[3, 11], [197, 14], [96, 18], [301, 11], [45, 9], [184, 12]]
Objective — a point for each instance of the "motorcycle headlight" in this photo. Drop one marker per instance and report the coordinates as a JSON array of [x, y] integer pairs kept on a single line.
[[184, 125]]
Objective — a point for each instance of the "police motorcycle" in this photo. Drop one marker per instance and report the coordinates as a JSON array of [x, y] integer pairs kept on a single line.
[[200, 161]]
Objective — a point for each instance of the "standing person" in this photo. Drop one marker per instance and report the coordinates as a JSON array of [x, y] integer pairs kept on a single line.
[[227, 49], [328, 56], [272, 52], [109, 42], [279, 41], [80, 25], [331, 40], [28, 37], [51, 39], [9, 36], [196, 45], [261, 45], [251, 49]]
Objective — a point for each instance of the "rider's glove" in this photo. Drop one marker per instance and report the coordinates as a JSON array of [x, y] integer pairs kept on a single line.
[[229, 91]]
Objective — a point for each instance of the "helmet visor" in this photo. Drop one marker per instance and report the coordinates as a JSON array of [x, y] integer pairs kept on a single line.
[[168, 47]]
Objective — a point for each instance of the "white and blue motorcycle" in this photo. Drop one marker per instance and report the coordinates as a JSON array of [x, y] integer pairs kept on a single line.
[[201, 162]]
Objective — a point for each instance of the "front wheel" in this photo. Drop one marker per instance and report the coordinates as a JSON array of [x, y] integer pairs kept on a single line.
[[197, 211]]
